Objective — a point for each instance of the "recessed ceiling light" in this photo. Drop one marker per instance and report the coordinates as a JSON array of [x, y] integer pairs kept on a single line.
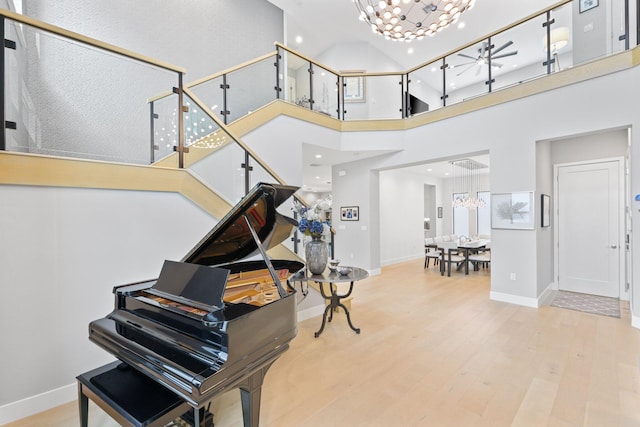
[[298, 39], [318, 156], [433, 69], [461, 25], [410, 50], [429, 170], [317, 177]]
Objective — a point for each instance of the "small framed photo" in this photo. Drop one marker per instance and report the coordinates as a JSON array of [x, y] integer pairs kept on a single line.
[[545, 210], [349, 213], [513, 211], [587, 5]]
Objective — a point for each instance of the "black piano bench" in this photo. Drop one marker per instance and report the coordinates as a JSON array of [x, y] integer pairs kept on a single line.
[[128, 396]]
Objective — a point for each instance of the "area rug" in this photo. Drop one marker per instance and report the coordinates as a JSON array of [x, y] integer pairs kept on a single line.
[[594, 304]]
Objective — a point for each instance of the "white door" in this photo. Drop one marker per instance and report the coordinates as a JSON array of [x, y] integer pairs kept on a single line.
[[588, 228]]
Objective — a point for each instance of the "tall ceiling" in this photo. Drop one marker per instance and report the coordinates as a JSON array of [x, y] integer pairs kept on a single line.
[[321, 24], [324, 23]]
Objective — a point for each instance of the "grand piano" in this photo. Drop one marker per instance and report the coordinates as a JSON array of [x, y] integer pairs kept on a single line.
[[212, 322]]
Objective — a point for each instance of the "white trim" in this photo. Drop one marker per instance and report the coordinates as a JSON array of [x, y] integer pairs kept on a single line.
[[401, 259], [310, 312], [635, 321], [547, 296], [41, 402], [514, 299]]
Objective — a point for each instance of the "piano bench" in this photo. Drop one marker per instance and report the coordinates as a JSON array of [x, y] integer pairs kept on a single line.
[[128, 396]]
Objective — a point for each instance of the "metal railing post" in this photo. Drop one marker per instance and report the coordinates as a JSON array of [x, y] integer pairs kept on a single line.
[[3, 139], [277, 88], [152, 125], [225, 112]]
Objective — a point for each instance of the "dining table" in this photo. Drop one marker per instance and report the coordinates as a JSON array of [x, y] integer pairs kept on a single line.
[[464, 246]]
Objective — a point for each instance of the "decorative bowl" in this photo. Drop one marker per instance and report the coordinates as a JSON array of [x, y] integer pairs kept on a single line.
[[334, 262], [343, 270]]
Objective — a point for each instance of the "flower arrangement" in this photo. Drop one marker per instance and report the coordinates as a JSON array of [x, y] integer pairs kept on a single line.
[[311, 220]]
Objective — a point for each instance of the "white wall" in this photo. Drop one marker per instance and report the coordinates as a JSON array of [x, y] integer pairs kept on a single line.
[[402, 214], [62, 251], [573, 110]]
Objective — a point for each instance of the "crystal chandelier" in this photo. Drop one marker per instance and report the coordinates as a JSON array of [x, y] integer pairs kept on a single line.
[[466, 178], [405, 20]]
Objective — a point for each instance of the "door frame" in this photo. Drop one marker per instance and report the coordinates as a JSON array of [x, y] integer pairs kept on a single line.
[[623, 292]]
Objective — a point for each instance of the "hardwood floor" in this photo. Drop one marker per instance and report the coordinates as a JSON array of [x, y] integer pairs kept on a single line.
[[435, 351]]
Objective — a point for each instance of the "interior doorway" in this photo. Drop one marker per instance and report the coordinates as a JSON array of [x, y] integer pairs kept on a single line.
[[590, 226]]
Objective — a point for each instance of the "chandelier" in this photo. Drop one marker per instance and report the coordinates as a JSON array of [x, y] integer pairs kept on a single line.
[[466, 178], [405, 20]]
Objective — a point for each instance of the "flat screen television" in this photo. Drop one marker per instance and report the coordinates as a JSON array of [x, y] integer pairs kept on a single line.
[[416, 105]]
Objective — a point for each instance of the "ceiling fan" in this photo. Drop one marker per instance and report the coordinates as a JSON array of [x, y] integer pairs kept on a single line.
[[483, 57]]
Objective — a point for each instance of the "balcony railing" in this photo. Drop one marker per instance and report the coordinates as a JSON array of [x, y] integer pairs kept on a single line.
[[69, 95]]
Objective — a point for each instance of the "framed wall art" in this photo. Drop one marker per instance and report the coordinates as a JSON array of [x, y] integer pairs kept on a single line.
[[349, 213], [545, 210], [587, 5], [513, 210]]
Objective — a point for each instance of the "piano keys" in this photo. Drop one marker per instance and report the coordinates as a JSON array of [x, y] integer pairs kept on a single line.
[[213, 321]]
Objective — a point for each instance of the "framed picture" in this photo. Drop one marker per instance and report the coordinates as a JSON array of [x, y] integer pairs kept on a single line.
[[349, 213], [513, 210], [545, 210], [354, 87], [587, 5], [439, 211]]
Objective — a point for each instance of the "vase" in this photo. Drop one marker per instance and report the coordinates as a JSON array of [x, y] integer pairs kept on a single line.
[[317, 255]]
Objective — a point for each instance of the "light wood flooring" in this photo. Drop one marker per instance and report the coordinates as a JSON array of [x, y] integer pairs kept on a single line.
[[436, 351]]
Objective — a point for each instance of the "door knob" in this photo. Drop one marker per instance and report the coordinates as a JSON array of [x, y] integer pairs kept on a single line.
[[613, 246]]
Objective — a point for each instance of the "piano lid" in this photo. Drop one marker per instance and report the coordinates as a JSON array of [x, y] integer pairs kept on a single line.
[[231, 240]]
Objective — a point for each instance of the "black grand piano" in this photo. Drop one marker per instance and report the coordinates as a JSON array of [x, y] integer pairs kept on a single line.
[[209, 323]]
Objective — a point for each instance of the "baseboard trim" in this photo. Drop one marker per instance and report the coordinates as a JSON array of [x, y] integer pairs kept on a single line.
[[401, 259], [32, 405], [635, 321], [547, 296], [310, 312], [514, 299]]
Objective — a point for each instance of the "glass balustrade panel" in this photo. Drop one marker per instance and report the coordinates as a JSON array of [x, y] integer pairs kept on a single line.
[[325, 91], [73, 100], [294, 79], [373, 97], [211, 93], [618, 26], [467, 73], [222, 170], [250, 88], [201, 132], [164, 125], [519, 54], [594, 28], [425, 89]]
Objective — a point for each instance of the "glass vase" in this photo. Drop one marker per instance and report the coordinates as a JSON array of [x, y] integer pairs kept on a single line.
[[316, 254]]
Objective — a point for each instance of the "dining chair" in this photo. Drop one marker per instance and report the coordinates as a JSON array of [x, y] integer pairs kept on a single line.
[[449, 257], [431, 252], [480, 259]]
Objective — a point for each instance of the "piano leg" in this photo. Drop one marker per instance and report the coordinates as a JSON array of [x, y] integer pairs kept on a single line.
[[83, 402], [250, 392]]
